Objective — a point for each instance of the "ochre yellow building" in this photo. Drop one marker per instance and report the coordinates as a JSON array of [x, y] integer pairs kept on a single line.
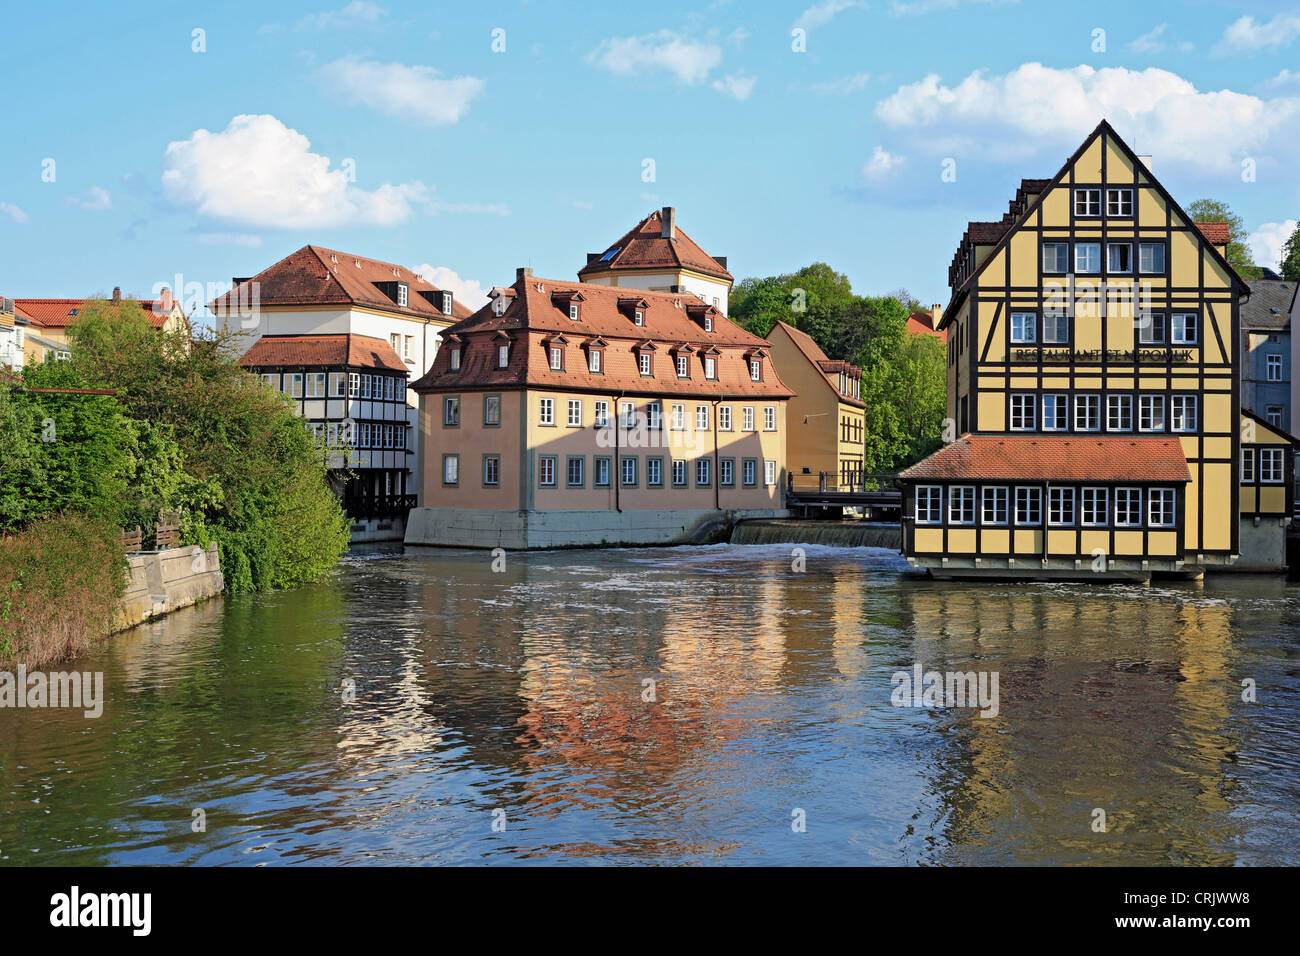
[[826, 413], [1094, 379]]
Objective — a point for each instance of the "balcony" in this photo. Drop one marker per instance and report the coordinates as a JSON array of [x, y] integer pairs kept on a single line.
[[360, 507]]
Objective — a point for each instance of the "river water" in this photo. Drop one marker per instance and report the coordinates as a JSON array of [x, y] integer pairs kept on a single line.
[[426, 708]]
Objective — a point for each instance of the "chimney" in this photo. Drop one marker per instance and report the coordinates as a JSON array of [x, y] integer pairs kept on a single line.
[[165, 301], [1146, 161], [117, 293], [936, 310], [525, 273], [668, 223]]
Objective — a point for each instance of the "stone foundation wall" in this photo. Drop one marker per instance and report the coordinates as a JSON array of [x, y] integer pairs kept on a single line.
[[162, 581]]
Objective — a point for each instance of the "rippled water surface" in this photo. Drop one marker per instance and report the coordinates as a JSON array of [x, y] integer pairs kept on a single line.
[[519, 698]]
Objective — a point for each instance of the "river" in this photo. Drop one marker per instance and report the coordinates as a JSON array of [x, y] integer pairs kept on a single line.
[[725, 704]]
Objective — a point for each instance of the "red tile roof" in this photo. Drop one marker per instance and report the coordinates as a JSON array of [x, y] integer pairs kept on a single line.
[[1219, 233], [59, 313], [315, 275], [830, 368], [645, 248], [336, 351], [1043, 458], [536, 314], [922, 323]]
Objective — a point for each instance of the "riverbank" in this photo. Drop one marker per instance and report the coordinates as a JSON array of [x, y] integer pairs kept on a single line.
[[160, 582]]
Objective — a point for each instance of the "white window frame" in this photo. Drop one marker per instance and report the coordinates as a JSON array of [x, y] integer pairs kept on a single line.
[[1087, 203], [769, 418], [1095, 502], [1178, 328], [1087, 413], [1121, 401], [557, 359], [575, 413], [1032, 497], [929, 504], [1024, 328], [961, 505], [1088, 248], [1184, 413], [546, 411], [1151, 413], [1060, 507], [747, 418], [1125, 507], [1023, 416], [593, 360], [1162, 503], [701, 418], [1060, 420], [1272, 466], [724, 418], [994, 505], [1119, 203], [1273, 368], [503, 355]]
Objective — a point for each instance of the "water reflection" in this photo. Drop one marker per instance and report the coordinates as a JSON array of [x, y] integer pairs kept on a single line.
[[672, 706]]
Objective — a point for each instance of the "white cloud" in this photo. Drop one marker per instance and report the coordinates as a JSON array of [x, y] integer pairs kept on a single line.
[[881, 164], [820, 14], [687, 60], [738, 36], [96, 199], [244, 239], [1284, 78], [468, 292], [1266, 242], [358, 13], [1035, 109], [1151, 41], [257, 172], [843, 86], [413, 93], [1246, 33], [13, 212], [736, 85]]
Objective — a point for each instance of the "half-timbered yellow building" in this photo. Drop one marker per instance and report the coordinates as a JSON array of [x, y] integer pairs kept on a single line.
[[1094, 381]]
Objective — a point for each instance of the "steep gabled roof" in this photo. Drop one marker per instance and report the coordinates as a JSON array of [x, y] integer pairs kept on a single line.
[[1269, 305], [337, 351], [1024, 458], [645, 248], [829, 368], [315, 275]]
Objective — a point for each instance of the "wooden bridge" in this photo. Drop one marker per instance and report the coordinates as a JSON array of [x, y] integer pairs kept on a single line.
[[821, 492]]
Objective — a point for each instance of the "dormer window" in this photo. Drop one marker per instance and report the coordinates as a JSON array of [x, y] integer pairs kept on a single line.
[[710, 368], [447, 302], [593, 360], [633, 308], [683, 366], [708, 323], [756, 370], [639, 318], [573, 311], [499, 305], [503, 355], [455, 360], [402, 294], [557, 358], [644, 363]]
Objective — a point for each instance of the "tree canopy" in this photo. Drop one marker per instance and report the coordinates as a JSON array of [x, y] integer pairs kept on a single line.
[[1238, 252]]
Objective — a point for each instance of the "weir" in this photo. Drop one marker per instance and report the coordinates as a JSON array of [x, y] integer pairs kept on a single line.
[[834, 534]]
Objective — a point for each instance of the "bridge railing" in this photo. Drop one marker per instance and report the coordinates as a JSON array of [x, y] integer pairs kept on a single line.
[[826, 482]]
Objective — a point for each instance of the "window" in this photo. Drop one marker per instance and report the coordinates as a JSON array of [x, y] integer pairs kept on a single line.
[[643, 361], [1273, 415], [1060, 507], [749, 472], [1119, 258], [995, 506], [546, 411], [701, 418], [1056, 328], [1087, 413], [710, 368], [747, 418], [503, 356], [395, 340], [1151, 413], [1151, 257], [1270, 466], [1022, 412], [756, 370], [363, 435], [708, 323], [338, 384], [1183, 413], [1024, 328], [1087, 202], [639, 317], [1160, 507], [1094, 505], [450, 469], [491, 470], [1056, 413], [1087, 257], [1151, 328], [769, 418], [365, 386], [390, 389], [1182, 328], [401, 294], [492, 410], [546, 471], [1029, 506], [929, 504], [593, 360], [602, 414], [724, 418], [600, 472], [354, 385], [294, 381], [1119, 202], [407, 344], [679, 417], [573, 475], [1273, 368], [1128, 507], [654, 472], [1056, 257], [683, 366], [726, 472], [654, 412], [961, 504], [573, 311], [575, 413], [1119, 413], [679, 473], [315, 384], [1247, 465], [628, 466], [627, 411], [769, 472], [271, 380], [703, 474], [557, 359], [451, 411]]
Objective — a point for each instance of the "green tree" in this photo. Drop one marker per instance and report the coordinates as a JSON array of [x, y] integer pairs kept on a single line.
[[22, 458], [1238, 252], [1291, 257]]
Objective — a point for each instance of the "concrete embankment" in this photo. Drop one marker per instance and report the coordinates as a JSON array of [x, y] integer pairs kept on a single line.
[[835, 534], [163, 581]]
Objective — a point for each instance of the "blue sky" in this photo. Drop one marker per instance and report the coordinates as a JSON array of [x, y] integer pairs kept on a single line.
[[396, 131]]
